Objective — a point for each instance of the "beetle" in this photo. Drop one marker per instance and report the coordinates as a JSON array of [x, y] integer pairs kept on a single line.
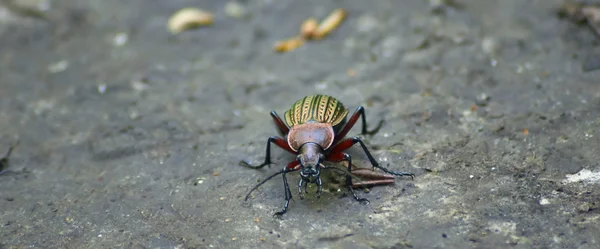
[[314, 129]]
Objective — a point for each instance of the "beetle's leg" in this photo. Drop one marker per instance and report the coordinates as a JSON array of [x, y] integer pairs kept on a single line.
[[347, 143], [281, 126], [319, 187], [300, 189], [360, 112], [288, 194], [280, 142], [339, 156], [349, 180], [306, 187]]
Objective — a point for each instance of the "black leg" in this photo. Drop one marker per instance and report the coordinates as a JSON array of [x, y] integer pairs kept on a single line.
[[288, 195], [300, 189], [361, 110], [349, 180], [280, 142], [319, 187], [375, 164]]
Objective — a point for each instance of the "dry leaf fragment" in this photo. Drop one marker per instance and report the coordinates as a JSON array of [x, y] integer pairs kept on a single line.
[[330, 23], [309, 27], [288, 45], [188, 18]]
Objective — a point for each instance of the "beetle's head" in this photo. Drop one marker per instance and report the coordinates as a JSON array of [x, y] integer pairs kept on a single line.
[[310, 157]]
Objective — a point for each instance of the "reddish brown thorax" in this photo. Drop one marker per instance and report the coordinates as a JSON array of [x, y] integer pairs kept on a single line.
[[311, 132]]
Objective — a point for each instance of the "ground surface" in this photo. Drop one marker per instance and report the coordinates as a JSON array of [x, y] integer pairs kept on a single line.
[[137, 145]]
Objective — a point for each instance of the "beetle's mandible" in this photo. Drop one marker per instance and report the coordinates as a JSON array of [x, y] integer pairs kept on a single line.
[[314, 130]]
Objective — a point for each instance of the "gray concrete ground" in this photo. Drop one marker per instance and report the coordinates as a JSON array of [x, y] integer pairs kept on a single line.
[[130, 137]]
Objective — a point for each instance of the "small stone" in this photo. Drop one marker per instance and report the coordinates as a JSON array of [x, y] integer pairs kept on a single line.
[[120, 39], [482, 99], [584, 207], [101, 88], [235, 9], [489, 45], [58, 66]]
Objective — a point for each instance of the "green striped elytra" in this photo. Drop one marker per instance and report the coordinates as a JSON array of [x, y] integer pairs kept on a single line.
[[317, 108], [314, 130]]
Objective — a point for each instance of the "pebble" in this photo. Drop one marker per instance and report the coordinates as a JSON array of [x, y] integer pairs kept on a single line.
[[235, 9], [584, 207], [489, 45]]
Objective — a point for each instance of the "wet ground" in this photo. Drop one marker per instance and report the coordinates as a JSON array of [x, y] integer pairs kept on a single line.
[[130, 137]]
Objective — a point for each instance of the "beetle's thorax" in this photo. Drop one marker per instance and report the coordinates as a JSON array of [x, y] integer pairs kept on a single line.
[[321, 134]]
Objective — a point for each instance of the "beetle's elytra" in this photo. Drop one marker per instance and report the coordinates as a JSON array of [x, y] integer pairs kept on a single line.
[[316, 108], [314, 131]]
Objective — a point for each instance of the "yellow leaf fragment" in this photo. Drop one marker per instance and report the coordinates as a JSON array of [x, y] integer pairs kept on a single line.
[[288, 45], [188, 18], [330, 23], [309, 27]]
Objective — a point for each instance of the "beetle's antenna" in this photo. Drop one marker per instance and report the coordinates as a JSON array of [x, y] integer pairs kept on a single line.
[[265, 180], [343, 171]]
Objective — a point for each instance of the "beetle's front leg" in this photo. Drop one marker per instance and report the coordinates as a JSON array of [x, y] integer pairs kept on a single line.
[[280, 142], [348, 158], [339, 156], [288, 195], [300, 183], [319, 187]]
